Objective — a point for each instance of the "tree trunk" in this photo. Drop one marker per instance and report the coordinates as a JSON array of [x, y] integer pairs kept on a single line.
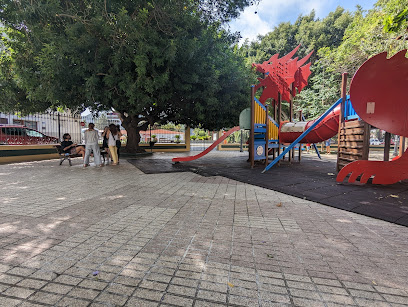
[[133, 138]]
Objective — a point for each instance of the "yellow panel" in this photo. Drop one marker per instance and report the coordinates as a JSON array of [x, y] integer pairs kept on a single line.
[[273, 131]]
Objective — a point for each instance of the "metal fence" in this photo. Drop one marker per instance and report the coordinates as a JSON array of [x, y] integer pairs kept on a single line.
[[38, 128], [164, 134], [237, 136]]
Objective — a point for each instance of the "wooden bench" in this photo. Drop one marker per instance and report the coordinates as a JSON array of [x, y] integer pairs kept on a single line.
[[67, 156]]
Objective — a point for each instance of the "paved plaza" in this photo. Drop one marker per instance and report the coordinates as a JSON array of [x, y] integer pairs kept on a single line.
[[114, 236], [311, 179]]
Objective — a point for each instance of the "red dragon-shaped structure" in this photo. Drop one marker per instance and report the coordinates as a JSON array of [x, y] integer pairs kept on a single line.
[[280, 74], [379, 95]]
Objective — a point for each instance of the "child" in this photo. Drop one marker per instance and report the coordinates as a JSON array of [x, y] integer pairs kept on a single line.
[[91, 144], [328, 143]]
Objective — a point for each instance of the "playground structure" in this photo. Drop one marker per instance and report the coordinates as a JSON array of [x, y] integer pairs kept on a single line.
[[379, 97], [283, 78], [207, 150]]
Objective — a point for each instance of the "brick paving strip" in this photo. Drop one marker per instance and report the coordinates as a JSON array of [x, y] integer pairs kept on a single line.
[[115, 236]]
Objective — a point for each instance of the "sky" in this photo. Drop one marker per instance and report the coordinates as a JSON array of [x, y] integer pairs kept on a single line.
[[269, 13]]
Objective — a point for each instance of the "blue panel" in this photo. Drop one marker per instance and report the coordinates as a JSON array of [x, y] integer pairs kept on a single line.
[[349, 112], [260, 130], [259, 150], [258, 137], [260, 126]]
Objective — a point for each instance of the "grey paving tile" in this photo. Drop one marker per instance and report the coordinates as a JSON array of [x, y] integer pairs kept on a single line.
[[180, 238]]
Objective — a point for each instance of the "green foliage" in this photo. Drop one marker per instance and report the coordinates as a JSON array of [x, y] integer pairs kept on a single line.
[[395, 15], [173, 127], [365, 37], [193, 137], [201, 134], [394, 23], [308, 31], [342, 41], [151, 61], [236, 137]]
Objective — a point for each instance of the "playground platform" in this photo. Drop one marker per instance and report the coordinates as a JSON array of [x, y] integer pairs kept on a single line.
[[312, 179]]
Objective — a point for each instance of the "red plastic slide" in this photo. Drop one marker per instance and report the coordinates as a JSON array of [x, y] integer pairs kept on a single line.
[[191, 158], [326, 129]]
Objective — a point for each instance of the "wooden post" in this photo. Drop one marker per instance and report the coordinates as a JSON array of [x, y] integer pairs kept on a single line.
[[275, 115], [387, 146], [342, 111], [402, 145], [187, 138], [291, 118], [219, 134], [275, 110], [366, 142], [279, 120], [300, 146], [267, 136], [252, 136]]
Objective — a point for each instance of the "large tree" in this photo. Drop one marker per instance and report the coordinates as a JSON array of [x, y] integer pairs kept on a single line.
[[148, 60]]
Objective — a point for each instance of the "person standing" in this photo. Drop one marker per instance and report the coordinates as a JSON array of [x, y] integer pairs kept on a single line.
[[105, 141], [328, 143], [113, 137], [119, 144], [91, 145]]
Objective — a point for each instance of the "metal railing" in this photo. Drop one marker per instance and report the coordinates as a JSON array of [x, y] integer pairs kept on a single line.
[[164, 134], [38, 128]]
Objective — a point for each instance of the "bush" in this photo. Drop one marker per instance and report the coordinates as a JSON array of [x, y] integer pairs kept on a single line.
[[193, 137]]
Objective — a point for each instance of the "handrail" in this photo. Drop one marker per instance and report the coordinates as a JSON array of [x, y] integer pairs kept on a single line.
[[264, 108], [302, 135]]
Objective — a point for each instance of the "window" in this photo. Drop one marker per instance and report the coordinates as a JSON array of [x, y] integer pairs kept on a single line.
[[35, 134], [31, 124], [14, 131]]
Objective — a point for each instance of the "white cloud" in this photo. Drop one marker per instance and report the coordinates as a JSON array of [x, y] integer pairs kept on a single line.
[[250, 25], [269, 13]]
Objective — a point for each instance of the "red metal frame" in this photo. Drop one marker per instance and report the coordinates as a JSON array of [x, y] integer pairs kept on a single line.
[[222, 138], [280, 74]]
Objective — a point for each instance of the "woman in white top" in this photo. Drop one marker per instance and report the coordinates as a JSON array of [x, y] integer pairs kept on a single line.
[[113, 136]]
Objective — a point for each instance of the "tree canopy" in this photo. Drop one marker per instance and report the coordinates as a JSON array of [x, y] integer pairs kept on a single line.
[[149, 60], [167, 61]]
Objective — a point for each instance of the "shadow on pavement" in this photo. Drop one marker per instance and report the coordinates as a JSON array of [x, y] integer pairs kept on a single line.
[[312, 179]]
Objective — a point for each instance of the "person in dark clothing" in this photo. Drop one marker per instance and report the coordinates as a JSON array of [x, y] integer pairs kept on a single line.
[[70, 148], [119, 144], [105, 141]]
